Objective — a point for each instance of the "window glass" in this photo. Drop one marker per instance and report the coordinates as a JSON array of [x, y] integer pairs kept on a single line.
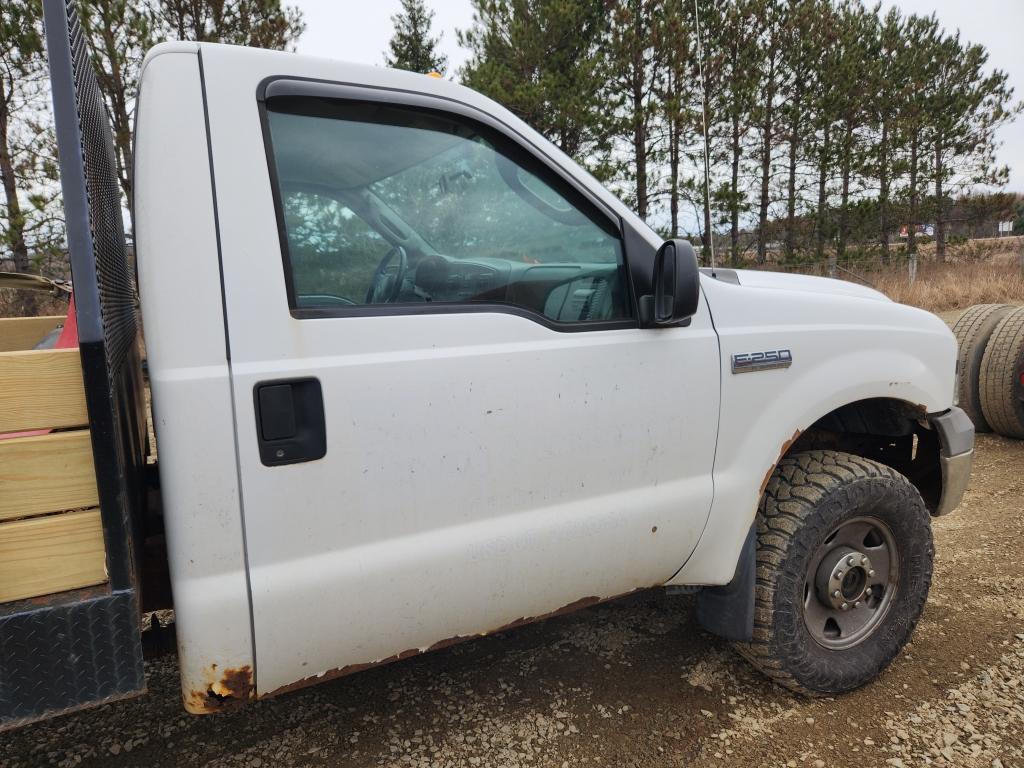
[[333, 252], [389, 205]]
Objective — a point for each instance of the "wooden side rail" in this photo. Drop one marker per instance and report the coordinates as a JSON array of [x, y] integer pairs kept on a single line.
[[42, 555], [46, 473], [51, 534], [41, 389], [18, 334]]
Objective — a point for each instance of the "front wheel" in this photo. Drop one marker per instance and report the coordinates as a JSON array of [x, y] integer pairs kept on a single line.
[[844, 563]]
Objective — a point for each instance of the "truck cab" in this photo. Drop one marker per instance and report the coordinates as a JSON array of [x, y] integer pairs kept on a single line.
[[418, 377]]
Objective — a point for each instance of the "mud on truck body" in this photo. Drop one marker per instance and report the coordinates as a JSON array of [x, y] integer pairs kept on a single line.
[[417, 377]]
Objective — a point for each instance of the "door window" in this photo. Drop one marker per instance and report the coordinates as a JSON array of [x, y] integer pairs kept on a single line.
[[383, 204], [333, 252]]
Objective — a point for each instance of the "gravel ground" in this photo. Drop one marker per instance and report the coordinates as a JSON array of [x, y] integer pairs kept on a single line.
[[628, 683]]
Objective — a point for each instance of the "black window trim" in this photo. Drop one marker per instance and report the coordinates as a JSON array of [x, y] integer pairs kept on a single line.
[[281, 85]]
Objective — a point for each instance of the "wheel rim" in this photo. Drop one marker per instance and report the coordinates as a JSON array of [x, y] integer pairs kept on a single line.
[[850, 583]]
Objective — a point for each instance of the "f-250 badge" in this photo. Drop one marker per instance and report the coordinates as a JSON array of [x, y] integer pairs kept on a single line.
[[761, 361]]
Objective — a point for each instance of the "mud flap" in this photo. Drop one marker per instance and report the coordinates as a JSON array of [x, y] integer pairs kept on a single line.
[[728, 611], [81, 648]]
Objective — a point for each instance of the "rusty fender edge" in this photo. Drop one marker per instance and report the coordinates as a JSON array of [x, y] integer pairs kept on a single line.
[[332, 674], [782, 452]]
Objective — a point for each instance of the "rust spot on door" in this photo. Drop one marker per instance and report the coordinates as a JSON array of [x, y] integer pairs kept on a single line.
[[224, 689]]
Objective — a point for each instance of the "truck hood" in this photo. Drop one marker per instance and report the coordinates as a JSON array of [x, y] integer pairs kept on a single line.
[[780, 280]]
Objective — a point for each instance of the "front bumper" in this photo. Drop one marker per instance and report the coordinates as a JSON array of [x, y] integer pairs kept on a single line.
[[956, 445]]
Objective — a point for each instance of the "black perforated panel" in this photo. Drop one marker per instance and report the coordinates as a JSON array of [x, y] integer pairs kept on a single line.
[[114, 291], [76, 649]]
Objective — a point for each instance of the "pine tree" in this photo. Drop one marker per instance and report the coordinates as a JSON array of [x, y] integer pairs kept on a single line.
[[858, 51], [637, 53], [800, 39], [889, 82], [736, 42], [925, 35], [771, 18], [411, 45], [119, 33], [544, 60], [30, 218], [256, 23], [678, 95], [965, 108]]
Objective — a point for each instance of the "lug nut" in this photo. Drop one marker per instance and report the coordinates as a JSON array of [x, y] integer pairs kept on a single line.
[[839, 574], [836, 593], [871, 573], [867, 592], [845, 606], [857, 604], [849, 560], [863, 559]]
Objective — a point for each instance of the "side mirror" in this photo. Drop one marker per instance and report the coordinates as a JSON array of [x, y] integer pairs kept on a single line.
[[676, 283]]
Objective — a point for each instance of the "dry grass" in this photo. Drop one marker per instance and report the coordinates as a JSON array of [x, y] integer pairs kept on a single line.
[[949, 286]]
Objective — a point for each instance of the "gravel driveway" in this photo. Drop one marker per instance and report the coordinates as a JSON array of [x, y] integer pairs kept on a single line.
[[629, 683]]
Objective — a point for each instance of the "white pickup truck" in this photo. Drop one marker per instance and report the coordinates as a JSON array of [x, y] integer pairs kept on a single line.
[[417, 377]]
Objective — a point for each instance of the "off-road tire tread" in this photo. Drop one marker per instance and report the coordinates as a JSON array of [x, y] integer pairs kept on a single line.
[[1003, 410], [800, 484], [973, 330]]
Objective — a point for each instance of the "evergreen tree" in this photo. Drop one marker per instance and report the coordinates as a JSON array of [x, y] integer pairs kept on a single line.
[[411, 45], [771, 18], [800, 36], [858, 51], [119, 33], [30, 215], [736, 40], [921, 71], [636, 55], [545, 60], [256, 23], [965, 108], [678, 95], [888, 82]]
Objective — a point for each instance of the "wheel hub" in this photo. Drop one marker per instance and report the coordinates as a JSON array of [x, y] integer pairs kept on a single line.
[[843, 579], [850, 583]]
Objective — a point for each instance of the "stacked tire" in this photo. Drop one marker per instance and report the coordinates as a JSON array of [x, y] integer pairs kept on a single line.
[[991, 366]]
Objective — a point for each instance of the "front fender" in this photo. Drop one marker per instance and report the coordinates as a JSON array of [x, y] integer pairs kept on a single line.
[[843, 349]]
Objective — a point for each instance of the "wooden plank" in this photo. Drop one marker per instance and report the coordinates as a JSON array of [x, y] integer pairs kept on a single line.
[[40, 389], [21, 333], [49, 554], [48, 473]]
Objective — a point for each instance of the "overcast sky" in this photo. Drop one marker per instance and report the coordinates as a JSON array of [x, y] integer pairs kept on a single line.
[[359, 31]]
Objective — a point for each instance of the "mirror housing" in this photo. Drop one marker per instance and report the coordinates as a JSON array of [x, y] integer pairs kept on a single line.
[[676, 285]]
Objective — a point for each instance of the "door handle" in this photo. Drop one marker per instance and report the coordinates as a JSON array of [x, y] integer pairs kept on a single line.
[[290, 426]]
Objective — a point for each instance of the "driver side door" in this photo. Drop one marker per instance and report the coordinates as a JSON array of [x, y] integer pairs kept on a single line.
[[492, 449]]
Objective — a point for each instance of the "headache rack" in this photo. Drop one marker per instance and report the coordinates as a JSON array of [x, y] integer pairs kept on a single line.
[[72, 493]]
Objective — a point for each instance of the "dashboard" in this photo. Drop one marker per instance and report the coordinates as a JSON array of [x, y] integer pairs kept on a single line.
[[567, 292]]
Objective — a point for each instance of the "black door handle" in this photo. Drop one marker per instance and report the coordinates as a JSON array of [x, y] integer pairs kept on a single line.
[[290, 423]]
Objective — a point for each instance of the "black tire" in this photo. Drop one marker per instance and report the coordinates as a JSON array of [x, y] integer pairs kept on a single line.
[[809, 496], [973, 330], [1002, 377]]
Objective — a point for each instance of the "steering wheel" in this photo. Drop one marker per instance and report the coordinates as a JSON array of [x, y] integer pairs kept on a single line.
[[378, 283]]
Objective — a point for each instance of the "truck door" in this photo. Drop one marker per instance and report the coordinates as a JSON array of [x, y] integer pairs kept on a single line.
[[448, 418]]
